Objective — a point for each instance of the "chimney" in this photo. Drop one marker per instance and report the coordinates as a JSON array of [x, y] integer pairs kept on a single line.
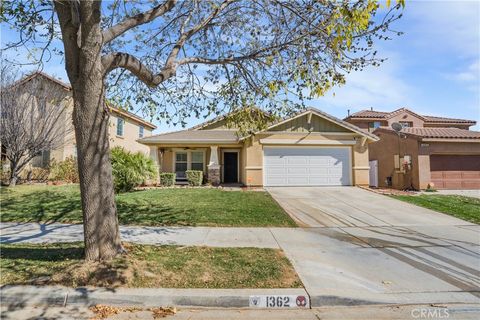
[[348, 113], [371, 108]]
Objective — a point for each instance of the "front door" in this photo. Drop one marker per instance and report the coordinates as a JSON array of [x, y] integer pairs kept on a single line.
[[230, 165]]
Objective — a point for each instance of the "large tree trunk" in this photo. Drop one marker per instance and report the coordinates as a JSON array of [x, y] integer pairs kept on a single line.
[[90, 118]]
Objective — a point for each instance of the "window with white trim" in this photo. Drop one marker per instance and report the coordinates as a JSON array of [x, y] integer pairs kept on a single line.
[[120, 124], [181, 164], [197, 160], [140, 131]]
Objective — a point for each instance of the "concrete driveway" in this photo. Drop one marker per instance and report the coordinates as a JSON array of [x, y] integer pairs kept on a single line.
[[360, 247]]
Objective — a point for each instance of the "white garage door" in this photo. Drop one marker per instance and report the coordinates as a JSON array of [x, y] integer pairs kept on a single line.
[[296, 166]]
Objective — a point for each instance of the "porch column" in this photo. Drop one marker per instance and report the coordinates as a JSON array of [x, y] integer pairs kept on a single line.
[[154, 156], [213, 174]]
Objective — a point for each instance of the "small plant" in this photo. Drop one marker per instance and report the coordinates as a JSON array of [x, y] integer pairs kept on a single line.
[[194, 177], [65, 170], [167, 179], [130, 169], [431, 188]]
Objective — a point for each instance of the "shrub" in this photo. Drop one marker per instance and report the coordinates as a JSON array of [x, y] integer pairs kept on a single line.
[[65, 170], [130, 169], [36, 174], [194, 177], [167, 179]]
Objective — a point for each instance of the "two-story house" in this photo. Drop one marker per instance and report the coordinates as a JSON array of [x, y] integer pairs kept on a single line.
[[430, 151], [125, 127]]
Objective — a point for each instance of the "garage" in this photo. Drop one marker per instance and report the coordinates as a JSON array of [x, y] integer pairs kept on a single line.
[[455, 171], [307, 166]]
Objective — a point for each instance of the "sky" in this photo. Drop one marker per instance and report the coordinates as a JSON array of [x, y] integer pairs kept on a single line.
[[432, 69]]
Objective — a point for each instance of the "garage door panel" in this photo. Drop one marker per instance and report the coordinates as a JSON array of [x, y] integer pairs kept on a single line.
[[276, 171], [296, 166], [297, 170], [318, 171], [296, 161], [275, 161], [455, 171], [321, 161]]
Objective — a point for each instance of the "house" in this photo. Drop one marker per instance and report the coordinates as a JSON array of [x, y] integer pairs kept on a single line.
[[372, 119], [125, 127], [311, 148], [429, 151]]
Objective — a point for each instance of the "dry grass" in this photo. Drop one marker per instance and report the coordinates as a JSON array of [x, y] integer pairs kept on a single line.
[[148, 266]]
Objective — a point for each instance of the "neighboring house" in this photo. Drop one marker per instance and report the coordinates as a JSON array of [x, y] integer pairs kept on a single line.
[[125, 127], [372, 119], [311, 148], [436, 151]]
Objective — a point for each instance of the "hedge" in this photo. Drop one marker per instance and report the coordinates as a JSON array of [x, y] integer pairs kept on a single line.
[[194, 177], [167, 179]]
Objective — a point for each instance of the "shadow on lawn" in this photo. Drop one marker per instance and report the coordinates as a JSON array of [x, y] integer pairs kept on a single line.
[[42, 206], [49, 206], [42, 254]]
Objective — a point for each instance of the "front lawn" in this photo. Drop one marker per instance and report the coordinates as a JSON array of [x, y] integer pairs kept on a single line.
[[148, 266], [465, 208], [155, 207]]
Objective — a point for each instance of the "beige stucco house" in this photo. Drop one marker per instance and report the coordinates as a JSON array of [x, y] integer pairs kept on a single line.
[[125, 127], [310, 148], [439, 152]]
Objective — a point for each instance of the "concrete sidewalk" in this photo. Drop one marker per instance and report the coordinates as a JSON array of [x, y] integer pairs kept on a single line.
[[337, 265], [146, 297], [185, 236], [450, 311]]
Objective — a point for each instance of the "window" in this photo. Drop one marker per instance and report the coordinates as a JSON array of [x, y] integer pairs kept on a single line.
[[188, 160], [140, 131], [180, 164], [373, 125], [406, 124], [120, 123], [41, 159], [197, 160]]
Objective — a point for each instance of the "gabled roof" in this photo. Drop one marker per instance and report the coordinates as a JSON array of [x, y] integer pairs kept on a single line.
[[193, 137], [436, 133], [326, 116], [31, 76], [219, 118], [381, 115], [67, 87], [400, 110]]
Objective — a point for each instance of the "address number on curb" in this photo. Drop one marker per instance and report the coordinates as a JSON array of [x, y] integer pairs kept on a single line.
[[279, 301]]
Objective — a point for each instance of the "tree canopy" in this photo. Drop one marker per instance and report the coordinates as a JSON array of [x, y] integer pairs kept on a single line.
[[175, 59]]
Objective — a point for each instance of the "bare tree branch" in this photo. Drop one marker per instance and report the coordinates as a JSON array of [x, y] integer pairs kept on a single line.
[[33, 119], [139, 19], [124, 60]]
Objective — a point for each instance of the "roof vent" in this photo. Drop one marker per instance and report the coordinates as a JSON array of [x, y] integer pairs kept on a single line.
[[371, 108]]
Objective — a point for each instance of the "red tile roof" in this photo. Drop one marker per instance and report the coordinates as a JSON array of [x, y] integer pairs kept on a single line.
[[372, 114], [437, 133]]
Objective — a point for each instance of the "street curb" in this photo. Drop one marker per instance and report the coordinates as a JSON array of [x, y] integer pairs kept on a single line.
[[21, 296]]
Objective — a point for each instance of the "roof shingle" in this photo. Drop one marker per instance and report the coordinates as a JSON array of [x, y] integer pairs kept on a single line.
[[193, 136], [373, 114], [438, 133]]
